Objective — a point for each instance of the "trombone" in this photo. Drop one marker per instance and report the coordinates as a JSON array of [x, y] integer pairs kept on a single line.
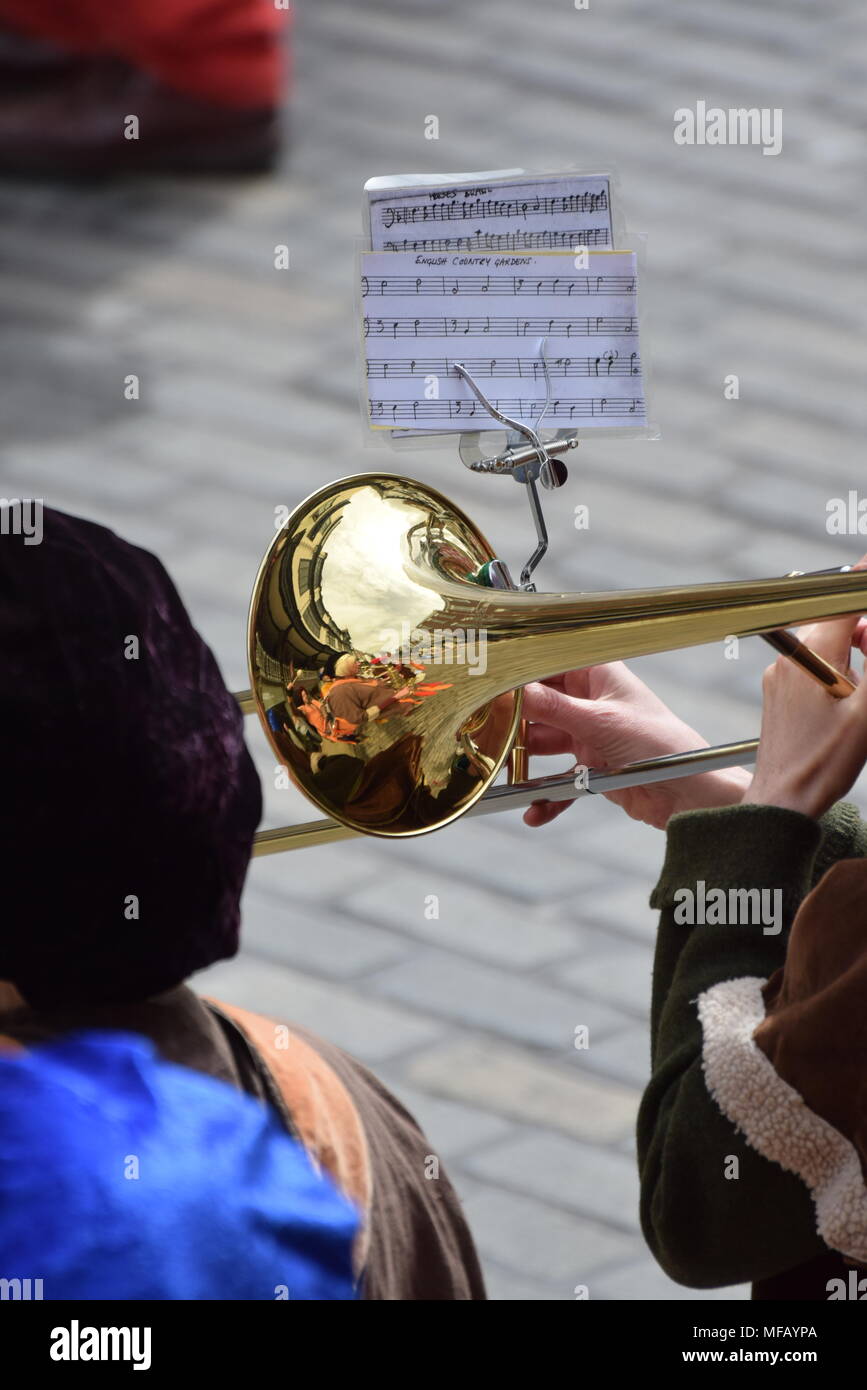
[[388, 587]]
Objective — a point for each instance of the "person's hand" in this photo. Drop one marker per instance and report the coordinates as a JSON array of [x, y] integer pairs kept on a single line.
[[812, 746], [605, 716]]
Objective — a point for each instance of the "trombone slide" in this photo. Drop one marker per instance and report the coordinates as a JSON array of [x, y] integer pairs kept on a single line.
[[554, 787]]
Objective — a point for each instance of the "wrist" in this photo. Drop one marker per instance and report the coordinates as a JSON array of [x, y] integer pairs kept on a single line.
[[785, 797], [711, 789]]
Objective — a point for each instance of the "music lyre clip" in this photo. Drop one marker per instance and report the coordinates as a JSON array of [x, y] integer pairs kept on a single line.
[[526, 463]]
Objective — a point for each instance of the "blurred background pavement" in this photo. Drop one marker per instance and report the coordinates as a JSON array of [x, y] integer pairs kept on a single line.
[[249, 400]]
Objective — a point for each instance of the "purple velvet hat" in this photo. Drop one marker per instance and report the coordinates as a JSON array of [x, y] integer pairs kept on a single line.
[[129, 798]]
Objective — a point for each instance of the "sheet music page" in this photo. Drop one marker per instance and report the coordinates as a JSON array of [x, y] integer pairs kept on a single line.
[[424, 312], [530, 213]]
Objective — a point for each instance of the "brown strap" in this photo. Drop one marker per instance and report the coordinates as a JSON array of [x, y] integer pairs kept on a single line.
[[321, 1107]]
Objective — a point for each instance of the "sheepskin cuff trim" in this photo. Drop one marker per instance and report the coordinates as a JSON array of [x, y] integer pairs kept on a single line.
[[773, 1117]]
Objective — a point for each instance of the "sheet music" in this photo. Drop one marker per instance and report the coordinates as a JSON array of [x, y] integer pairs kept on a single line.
[[422, 313], [539, 213]]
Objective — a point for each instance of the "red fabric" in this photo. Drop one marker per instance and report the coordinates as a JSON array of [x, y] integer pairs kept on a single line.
[[227, 51]]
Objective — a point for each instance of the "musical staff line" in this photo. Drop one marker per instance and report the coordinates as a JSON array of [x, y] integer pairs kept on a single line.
[[506, 241], [608, 364], [499, 327], [462, 210], [404, 412], [511, 285]]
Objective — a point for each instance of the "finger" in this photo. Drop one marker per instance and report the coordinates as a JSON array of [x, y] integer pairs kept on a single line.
[[859, 680], [612, 677], [832, 639], [542, 812], [545, 742], [859, 636], [562, 682], [545, 705]]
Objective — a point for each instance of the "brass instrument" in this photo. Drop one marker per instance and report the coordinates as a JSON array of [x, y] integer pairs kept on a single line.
[[378, 573]]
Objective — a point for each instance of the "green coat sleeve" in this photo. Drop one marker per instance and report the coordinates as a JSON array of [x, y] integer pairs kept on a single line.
[[705, 1228]]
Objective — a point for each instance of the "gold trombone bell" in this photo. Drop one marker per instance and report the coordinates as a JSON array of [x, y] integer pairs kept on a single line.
[[384, 574]]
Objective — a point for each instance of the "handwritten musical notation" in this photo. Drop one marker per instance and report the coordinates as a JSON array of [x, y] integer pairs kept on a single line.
[[467, 413], [524, 213], [457, 209], [497, 328], [411, 380], [498, 284], [609, 363]]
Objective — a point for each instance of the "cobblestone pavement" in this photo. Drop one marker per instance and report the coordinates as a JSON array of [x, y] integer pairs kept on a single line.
[[249, 399]]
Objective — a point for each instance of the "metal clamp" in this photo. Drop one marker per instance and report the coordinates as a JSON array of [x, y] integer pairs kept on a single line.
[[527, 464]]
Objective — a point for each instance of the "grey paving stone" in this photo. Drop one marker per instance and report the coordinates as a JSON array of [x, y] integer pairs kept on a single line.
[[312, 941], [373, 1031], [482, 854], [623, 910], [606, 561], [535, 1241], [794, 445], [644, 1280], [453, 1129], [504, 1080], [772, 554], [480, 997], [784, 503], [329, 874], [199, 453], [573, 1175], [641, 518], [87, 471], [143, 529], [624, 1056], [750, 335], [622, 978], [503, 1287], [603, 834], [470, 921], [252, 409], [673, 468], [218, 572]]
